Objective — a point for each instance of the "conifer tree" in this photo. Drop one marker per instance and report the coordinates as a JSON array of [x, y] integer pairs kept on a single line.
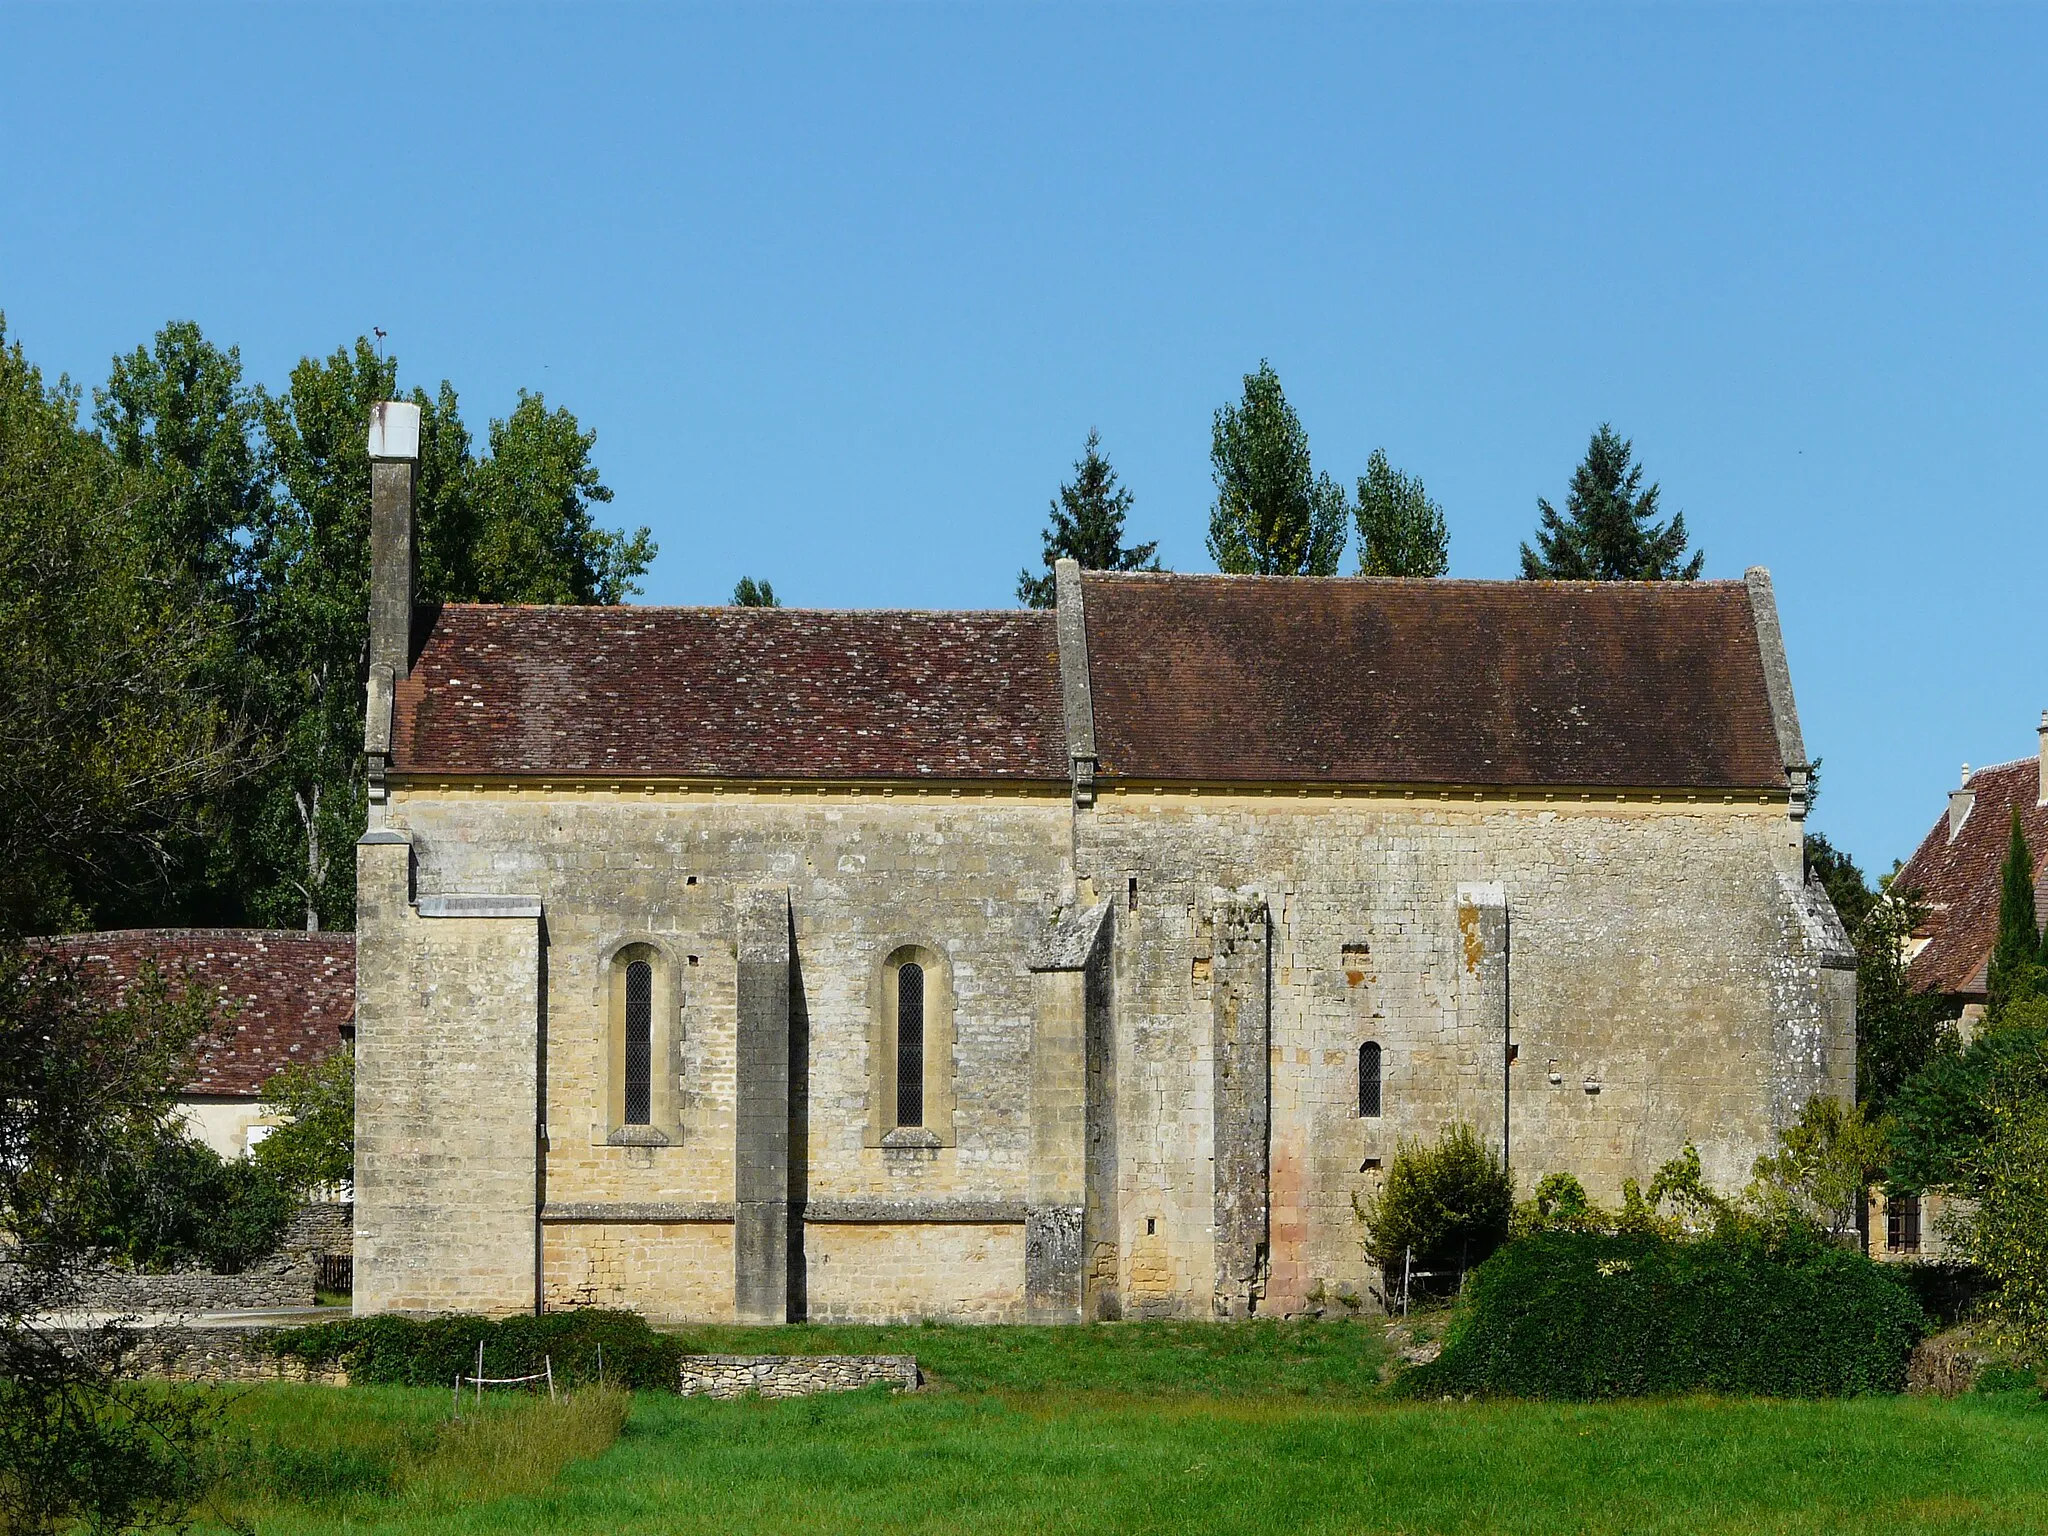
[[1274, 515], [1609, 529], [1086, 525], [1400, 530], [2016, 969]]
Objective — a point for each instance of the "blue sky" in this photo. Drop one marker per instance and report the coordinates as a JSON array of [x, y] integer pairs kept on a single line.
[[842, 290]]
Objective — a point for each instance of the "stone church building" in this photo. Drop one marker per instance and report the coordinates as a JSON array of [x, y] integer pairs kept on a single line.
[[763, 964]]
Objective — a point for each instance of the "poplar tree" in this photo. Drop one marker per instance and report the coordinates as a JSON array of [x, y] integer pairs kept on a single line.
[[1273, 515], [1086, 525], [1609, 529], [1401, 531]]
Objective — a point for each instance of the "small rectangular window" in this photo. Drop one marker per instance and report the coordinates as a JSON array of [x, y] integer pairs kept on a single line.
[[639, 1042], [1902, 1223]]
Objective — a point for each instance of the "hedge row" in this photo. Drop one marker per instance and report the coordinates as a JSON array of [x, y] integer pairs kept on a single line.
[[424, 1352], [1588, 1315]]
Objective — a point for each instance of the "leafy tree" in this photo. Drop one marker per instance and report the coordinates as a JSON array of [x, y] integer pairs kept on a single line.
[[178, 411], [1898, 1030], [2016, 968], [531, 534], [1943, 1115], [514, 526], [1274, 515], [1825, 1160], [314, 1145], [1401, 531], [86, 1089], [1609, 529], [2008, 1232], [110, 661], [1450, 1204], [1086, 525], [754, 594], [1840, 878]]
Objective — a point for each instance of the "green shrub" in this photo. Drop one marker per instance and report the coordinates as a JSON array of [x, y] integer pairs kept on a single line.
[[171, 1202], [1591, 1315], [1450, 1204], [432, 1352]]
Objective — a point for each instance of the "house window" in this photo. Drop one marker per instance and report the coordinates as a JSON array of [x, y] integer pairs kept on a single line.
[[1369, 1080], [639, 1043], [1902, 1223], [910, 1044]]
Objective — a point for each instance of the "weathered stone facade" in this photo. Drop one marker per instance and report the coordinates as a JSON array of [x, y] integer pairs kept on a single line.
[[1126, 1083]]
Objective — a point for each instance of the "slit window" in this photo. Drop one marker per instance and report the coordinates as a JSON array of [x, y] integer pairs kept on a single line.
[[910, 1044], [1369, 1080], [639, 1043]]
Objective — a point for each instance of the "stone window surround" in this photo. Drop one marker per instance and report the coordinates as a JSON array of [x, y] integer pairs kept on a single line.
[[939, 1038], [664, 1127]]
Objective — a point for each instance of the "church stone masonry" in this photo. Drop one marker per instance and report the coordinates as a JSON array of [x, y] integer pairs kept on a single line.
[[743, 964]]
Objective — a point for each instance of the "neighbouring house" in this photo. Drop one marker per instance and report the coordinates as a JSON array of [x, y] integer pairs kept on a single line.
[[1957, 872], [285, 997], [758, 964]]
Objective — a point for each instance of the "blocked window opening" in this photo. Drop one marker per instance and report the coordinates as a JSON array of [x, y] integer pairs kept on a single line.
[[910, 1044], [639, 1043], [1902, 1224], [1369, 1080]]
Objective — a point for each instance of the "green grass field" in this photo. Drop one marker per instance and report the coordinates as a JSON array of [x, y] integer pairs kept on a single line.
[[1279, 1428]]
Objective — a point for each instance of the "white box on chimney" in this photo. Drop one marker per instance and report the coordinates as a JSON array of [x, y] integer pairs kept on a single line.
[[394, 430]]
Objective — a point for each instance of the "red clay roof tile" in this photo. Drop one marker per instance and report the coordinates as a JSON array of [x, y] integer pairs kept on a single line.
[[1959, 879], [1372, 680], [289, 995], [746, 692]]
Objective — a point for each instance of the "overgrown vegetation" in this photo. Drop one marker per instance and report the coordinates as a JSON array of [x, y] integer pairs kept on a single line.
[[87, 1092], [374, 1453], [1589, 1315], [1443, 1207], [392, 1350]]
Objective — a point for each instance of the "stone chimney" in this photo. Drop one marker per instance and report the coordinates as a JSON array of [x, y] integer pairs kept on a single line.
[[2043, 798], [394, 573], [1959, 802]]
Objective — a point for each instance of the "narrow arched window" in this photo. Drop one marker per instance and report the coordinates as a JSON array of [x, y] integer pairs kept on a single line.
[[910, 1044], [639, 1043], [1369, 1080]]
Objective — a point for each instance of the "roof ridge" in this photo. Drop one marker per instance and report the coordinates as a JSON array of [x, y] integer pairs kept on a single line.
[[738, 611], [295, 934], [1419, 582]]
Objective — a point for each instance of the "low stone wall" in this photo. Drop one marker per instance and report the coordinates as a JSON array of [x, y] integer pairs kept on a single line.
[[272, 1284], [225, 1354], [794, 1375]]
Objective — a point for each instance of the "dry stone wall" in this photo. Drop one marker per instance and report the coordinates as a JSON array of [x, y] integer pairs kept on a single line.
[[794, 1375]]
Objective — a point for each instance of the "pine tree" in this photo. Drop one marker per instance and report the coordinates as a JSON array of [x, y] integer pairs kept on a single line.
[[1401, 531], [2016, 959], [1274, 515], [1087, 525], [1609, 530], [754, 594]]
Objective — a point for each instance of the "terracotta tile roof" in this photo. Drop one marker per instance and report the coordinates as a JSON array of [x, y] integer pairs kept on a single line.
[[1363, 680], [746, 692], [1960, 880], [291, 993]]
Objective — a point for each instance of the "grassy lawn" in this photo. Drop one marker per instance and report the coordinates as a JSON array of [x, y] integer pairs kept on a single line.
[[1276, 1428]]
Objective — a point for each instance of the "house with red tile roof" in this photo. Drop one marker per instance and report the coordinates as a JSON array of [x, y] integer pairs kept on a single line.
[[284, 998], [761, 964], [1956, 872]]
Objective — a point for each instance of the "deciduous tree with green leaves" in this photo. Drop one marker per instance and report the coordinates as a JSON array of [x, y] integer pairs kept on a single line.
[[1273, 514], [1609, 529], [1085, 524], [116, 732], [1401, 532]]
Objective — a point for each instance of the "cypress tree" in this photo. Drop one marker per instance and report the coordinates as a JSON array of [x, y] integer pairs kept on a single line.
[[2016, 959]]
